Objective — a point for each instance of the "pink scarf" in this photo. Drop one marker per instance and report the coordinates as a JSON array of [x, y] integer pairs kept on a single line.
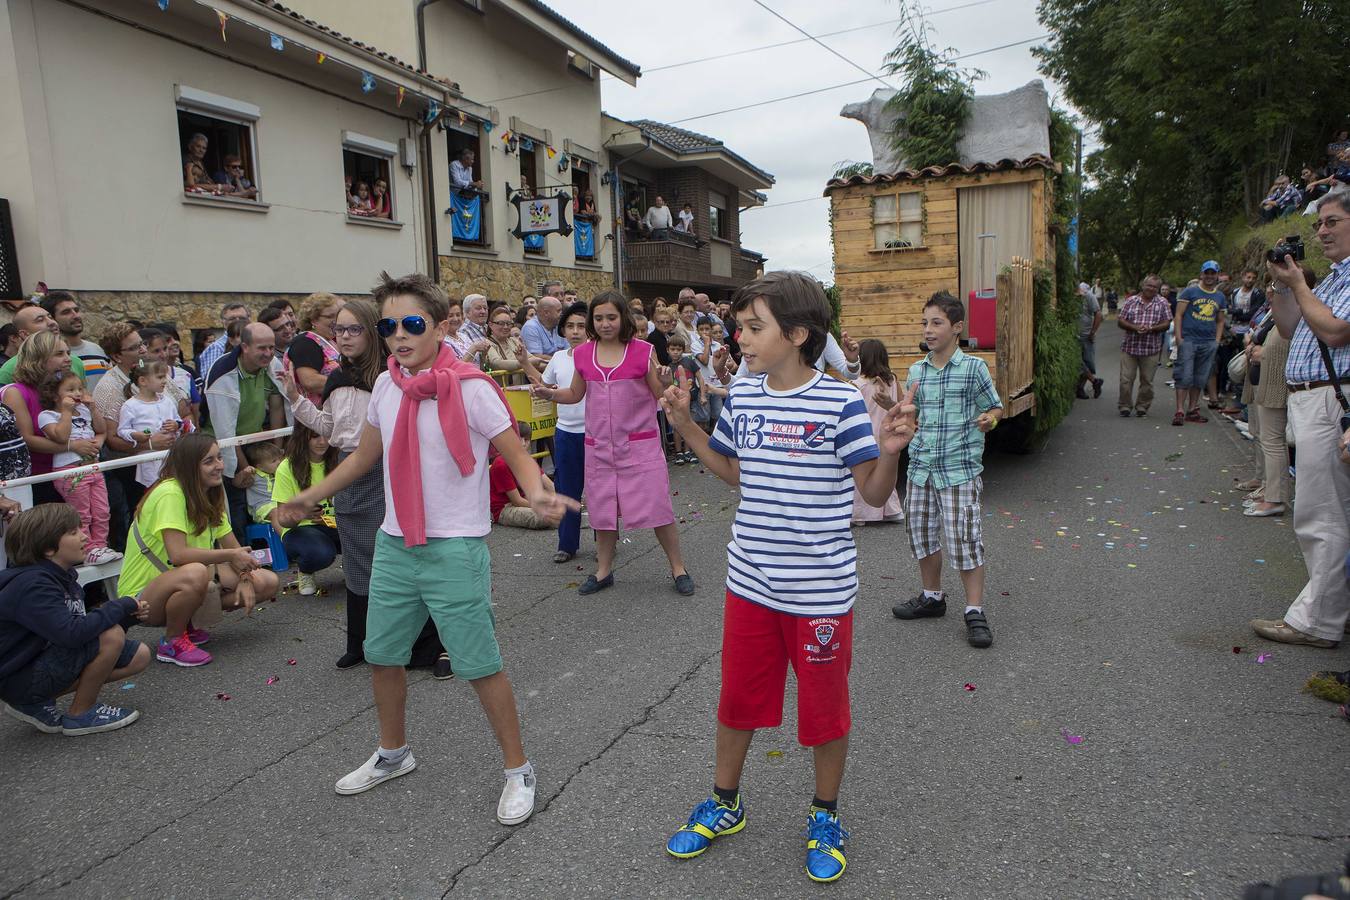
[[442, 383]]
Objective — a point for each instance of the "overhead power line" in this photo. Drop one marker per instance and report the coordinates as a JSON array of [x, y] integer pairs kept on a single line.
[[782, 18], [845, 84]]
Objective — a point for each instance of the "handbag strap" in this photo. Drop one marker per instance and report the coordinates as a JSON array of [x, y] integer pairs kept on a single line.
[[146, 551], [1331, 374]]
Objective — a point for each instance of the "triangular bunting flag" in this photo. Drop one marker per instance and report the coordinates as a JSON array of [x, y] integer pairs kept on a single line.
[[367, 82], [163, 5], [487, 127], [277, 43], [401, 92], [462, 118], [223, 19], [433, 111], [551, 152], [320, 57]]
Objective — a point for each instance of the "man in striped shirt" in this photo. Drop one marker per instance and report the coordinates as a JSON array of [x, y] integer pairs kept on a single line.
[[796, 443], [957, 405], [1318, 615]]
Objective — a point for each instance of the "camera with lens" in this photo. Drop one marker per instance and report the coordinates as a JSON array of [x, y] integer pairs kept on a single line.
[[1290, 246], [1333, 885]]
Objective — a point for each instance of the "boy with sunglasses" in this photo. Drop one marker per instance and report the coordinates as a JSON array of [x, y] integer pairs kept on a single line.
[[431, 419]]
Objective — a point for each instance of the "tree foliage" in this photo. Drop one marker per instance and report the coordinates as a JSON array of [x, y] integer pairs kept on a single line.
[[934, 102], [1199, 103]]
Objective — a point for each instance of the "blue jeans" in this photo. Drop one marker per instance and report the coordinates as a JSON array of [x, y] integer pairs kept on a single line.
[[313, 547], [569, 477], [1195, 358]]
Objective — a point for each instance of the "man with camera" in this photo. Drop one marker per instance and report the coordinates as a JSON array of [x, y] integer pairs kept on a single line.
[[1317, 322]]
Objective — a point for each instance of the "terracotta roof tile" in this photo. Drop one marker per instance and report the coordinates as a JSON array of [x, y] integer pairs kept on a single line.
[[1036, 160]]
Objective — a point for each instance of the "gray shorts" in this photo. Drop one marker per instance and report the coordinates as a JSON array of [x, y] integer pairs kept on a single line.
[[950, 519]]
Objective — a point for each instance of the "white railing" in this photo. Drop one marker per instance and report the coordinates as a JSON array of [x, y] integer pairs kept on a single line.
[[125, 461]]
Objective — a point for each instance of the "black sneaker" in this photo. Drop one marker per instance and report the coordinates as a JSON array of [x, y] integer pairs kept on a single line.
[[1097, 387], [441, 670], [920, 607], [977, 629]]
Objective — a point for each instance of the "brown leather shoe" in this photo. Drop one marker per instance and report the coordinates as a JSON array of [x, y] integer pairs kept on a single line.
[[1284, 633]]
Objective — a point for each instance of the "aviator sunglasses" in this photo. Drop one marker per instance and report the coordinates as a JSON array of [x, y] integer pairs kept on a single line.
[[414, 325]]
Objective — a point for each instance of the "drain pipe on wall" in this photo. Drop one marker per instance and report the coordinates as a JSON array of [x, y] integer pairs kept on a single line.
[[424, 148]]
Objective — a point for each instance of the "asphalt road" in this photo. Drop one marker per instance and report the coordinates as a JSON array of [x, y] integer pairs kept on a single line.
[[1121, 578]]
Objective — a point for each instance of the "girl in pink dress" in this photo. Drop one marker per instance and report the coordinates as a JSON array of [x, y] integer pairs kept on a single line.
[[878, 386], [626, 474]]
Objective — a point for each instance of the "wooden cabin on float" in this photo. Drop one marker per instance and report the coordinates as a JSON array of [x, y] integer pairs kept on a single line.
[[977, 230]]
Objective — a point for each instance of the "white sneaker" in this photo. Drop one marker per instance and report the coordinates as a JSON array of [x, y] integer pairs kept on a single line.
[[375, 771], [100, 555], [517, 802], [307, 585]]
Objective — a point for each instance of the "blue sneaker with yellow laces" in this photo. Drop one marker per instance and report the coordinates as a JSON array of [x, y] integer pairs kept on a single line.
[[710, 819], [824, 846]]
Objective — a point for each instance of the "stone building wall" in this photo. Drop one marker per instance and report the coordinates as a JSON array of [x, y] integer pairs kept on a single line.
[[509, 281]]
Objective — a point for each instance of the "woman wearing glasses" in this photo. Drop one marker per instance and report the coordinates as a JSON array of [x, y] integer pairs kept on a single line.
[[359, 507], [312, 353], [502, 347]]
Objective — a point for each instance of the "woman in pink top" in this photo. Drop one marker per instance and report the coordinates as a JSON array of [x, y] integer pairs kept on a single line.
[[626, 474]]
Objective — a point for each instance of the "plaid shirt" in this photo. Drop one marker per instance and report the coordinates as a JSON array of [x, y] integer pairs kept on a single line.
[[473, 331], [1305, 360], [1148, 314], [948, 448], [1290, 196]]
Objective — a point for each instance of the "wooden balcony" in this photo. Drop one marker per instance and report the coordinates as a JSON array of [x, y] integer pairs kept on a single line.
[[679, 262]]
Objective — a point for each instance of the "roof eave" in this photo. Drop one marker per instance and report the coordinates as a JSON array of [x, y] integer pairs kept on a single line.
[[569, 35]]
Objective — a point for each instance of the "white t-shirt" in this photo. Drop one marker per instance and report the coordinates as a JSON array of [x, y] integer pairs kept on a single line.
[[706, 369], [560, 370], [81, 429], [455, 506], [138, 415], [686, 221], [791, 547]]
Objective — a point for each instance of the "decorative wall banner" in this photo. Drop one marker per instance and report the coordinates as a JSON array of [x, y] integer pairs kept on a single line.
[[466, 221], [534, 242], [541, 215], [583, 239]]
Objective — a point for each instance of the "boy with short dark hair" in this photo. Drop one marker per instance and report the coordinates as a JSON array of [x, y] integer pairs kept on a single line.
[[796, 443], [431, 420], [49, 644], [957, 405]]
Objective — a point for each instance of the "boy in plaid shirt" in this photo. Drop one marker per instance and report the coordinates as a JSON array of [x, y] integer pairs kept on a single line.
[[957, 405]]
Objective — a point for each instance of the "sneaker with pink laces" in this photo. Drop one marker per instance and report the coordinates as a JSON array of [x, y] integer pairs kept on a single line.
[[97, 556], [181, 652], [198, 636]]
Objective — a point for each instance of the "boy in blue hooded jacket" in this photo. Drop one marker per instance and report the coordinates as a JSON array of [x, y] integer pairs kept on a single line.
[[49, 644]]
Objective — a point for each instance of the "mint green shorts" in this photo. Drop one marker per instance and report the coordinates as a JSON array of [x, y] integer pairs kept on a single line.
[[448, 579]]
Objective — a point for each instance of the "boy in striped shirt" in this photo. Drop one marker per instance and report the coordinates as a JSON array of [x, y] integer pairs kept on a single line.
[[796, 443]]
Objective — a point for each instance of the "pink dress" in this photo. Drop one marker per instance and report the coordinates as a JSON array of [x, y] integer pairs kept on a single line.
[[626, 472], [862, 511]]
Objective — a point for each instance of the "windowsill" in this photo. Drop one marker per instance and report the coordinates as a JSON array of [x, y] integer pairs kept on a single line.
[[472, 250], [897, 249], [376, 223], [537, 258], [223, 202], [722, 240], [590, 264]]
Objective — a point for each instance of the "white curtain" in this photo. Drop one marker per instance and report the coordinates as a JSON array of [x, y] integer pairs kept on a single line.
[[1000, 210]]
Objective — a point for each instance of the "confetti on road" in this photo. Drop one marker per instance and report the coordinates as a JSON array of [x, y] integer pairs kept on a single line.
[[222, 696], [1260, 562], [1074, 739], [272, 679], [130, 685], [1237, 649], [774, 754], [291, 661], [1264, 656], [969, 686]]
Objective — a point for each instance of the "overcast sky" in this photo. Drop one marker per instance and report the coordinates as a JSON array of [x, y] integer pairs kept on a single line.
[[799, 140]]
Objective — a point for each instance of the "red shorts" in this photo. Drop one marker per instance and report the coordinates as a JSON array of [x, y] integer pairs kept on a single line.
[[758, 643]]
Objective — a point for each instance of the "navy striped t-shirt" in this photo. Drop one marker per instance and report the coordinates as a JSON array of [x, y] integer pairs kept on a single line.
[[791, 548]]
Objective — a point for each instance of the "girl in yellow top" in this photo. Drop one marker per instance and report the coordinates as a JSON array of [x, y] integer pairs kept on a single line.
[[314, 543], [180, 540]]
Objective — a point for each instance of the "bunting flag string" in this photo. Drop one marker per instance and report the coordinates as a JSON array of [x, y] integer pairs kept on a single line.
[[223, 20], [277, 43]]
